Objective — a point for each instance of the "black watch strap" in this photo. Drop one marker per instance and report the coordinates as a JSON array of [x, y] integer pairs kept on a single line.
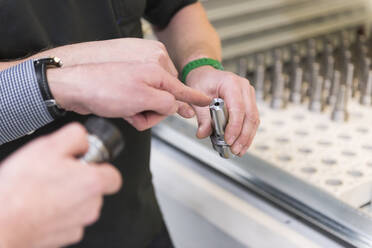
[[41, 65]]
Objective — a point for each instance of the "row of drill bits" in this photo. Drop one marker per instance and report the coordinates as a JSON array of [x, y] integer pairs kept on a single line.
[[325, 72]]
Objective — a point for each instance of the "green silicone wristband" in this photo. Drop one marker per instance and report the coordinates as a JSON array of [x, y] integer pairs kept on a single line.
[[198, 63]]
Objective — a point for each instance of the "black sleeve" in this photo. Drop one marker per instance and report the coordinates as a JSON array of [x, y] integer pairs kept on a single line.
[[160, 12]]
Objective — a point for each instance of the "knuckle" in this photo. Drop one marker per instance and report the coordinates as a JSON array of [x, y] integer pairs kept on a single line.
[[94, 216], [160, 45], [77, 235]]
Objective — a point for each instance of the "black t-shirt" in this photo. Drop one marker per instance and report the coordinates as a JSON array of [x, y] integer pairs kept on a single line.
[[132, 217]]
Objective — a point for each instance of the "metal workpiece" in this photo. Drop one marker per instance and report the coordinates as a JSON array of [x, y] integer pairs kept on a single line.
[[329, 67], [331, 99], [315, 72], [296, 86], [328, 50], [219, 117], [346, 59], [363, 77], [277, 100], [349, 80], [366, 93], [316, 97], [105, 141], [277, 55], [340, 113]]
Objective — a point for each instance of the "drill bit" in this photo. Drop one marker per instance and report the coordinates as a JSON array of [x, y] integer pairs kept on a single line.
[[340, 113], [366, 94]]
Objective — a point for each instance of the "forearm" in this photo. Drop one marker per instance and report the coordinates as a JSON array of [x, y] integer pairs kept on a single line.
[[190, 36]]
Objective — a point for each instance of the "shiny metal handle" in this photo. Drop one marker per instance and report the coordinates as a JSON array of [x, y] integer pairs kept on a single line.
[[220, 118], [105, 141]]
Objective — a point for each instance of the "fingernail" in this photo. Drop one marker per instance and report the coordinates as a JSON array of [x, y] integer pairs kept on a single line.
[[237, 148], [231, 140]]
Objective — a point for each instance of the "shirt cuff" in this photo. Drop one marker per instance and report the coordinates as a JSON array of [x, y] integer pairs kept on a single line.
[[22, 108]]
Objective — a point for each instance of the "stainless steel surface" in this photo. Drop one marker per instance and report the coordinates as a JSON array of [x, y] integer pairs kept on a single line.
[[203, 209], [219, 117], [312, 204]]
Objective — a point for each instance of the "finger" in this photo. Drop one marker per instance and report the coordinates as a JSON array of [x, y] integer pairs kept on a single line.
[[146, 120], [253, 117], [110, 178], [244, 137], [236, 109], [160, 101], [91, 211], [204, 122], [181, 92], [185, 110], [71, 139], [64, 238]]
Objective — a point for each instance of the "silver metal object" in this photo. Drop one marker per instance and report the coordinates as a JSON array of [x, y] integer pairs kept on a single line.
[[331, 99], [316, 96], [219, 117], [97, 152], [296, 94], [366, 94], [277, 101], [340, 113], [259, 82], [105, 141]]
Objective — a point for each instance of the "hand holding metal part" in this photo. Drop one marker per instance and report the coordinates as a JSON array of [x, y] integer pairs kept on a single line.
[[105, 141], [220, 118]]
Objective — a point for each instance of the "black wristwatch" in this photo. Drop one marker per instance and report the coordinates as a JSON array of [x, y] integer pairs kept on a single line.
[[41, 65]]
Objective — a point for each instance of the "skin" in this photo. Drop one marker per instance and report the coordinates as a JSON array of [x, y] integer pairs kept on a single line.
[[50, 199], [190, 36], [133, 72]]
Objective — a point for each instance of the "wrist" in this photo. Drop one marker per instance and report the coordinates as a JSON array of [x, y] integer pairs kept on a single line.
[[195, 75], [199, 63], [41, 67]]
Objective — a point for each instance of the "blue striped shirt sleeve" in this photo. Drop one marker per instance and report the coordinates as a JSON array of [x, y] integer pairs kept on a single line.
[[22, 109]]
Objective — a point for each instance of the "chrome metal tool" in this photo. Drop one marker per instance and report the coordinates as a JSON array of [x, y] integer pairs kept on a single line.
[[220, 118], [105, 141]]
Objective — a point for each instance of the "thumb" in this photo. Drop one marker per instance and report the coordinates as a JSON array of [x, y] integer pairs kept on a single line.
[[204, 122]]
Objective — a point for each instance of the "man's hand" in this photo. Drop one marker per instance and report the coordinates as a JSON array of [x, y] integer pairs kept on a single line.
[[240, 100], [47, 195], [141, 93], [128, 78]]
